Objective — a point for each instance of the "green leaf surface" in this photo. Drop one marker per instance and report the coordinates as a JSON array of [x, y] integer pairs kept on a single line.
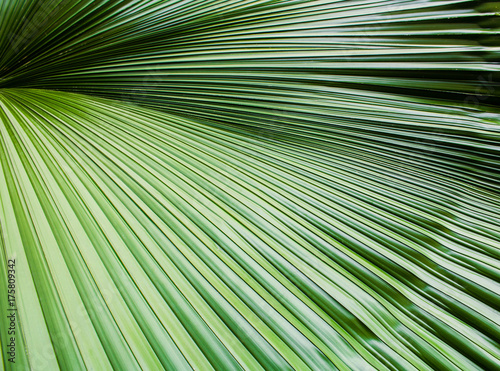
[[251, 184]]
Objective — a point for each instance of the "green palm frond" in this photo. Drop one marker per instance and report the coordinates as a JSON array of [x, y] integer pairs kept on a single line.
[[250, 184]]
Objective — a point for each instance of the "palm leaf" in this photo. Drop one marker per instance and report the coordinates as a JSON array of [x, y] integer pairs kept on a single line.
[[251, 184]]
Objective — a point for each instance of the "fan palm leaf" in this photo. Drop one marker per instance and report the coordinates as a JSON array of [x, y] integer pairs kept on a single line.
[[250, 184]]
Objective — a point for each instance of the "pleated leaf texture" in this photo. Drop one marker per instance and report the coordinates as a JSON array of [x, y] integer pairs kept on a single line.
[[250, 184]]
